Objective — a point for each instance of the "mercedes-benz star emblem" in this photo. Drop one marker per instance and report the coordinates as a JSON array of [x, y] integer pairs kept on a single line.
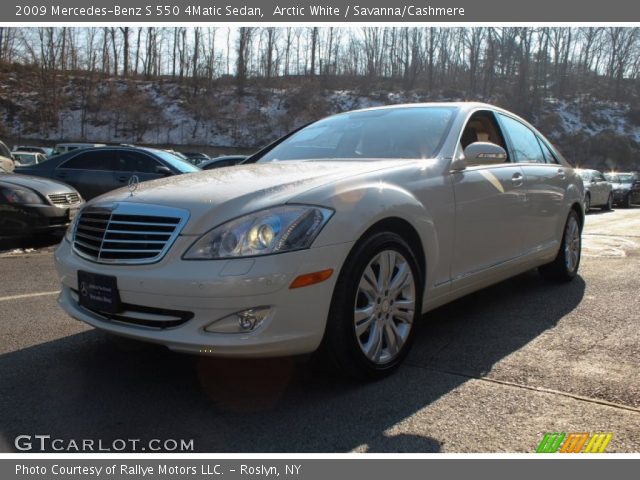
[[84, 290], [134, 181]]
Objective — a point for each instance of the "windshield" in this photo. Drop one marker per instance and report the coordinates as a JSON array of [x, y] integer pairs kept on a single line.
[[182, 165], [414, 132], [25, 158], [619, 178], [585, 175]]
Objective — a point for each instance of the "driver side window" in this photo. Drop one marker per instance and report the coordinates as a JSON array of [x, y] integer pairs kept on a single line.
[[129, 161], [482, 126]]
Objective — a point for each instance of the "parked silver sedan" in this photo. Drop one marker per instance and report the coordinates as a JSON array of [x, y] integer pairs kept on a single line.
[[598, 191], [335, 239]]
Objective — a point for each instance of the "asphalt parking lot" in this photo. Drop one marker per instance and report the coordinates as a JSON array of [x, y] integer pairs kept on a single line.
[[489, 373]]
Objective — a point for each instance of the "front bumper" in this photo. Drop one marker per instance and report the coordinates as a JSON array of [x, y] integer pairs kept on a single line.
[[620, 195], [22, 220], [212, 290]]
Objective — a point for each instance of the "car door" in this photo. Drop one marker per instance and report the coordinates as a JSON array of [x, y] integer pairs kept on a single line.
[[90, 171], [132, 162], [490, 202], [545, 180], [602, 186]]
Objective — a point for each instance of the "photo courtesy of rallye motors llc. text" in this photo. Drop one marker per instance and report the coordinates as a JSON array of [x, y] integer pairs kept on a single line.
[[142, 471]]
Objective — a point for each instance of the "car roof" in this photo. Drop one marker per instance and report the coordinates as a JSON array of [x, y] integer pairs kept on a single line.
[[464, 106], [81, 144]]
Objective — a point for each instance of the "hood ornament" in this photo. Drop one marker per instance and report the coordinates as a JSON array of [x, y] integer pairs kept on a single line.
[[134, 181]]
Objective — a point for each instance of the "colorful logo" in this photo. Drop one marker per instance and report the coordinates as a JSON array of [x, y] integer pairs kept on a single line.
[[574, 442]]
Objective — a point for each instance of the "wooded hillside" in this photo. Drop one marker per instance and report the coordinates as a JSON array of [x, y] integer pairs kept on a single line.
[[245, 86]]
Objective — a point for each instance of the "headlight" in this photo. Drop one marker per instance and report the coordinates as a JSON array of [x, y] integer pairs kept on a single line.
[[275, 230], [68, 235], [21, 196]]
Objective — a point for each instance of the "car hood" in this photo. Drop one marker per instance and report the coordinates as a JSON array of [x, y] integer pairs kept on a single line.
[[44, 186], [215, 196]]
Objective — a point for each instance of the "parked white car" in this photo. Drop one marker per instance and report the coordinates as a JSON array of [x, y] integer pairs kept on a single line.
[[61, 148], [25, 159], [336, 238]]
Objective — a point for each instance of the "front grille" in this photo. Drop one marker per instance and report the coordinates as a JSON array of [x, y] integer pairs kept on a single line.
[[64, 199], [127, 233]]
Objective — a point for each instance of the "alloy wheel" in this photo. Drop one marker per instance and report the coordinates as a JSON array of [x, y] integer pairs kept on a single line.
[[572, 244], [384, 306]]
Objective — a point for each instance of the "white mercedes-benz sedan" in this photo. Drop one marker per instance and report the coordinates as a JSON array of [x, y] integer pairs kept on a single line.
[[335, 239]]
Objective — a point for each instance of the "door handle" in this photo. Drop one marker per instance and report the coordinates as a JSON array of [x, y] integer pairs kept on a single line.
[[561, 174], [517, 179]]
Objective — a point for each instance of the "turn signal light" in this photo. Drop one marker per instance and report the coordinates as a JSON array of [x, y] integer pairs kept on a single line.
[[311, 278]]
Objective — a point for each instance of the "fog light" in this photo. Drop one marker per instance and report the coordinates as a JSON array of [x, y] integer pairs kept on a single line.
[[241, 322]]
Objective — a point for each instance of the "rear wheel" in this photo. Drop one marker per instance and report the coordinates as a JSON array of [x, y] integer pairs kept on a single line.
[[565, 266], [375, 305], [587, 203]]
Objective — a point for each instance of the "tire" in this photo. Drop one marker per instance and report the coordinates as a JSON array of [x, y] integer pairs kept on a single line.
[[368, 335], [607, 206], [626, 201], [587, 203], [564, 267]]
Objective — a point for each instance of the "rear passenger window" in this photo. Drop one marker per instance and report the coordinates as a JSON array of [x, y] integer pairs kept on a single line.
[[524, 142], [548, 154], [91, 160]]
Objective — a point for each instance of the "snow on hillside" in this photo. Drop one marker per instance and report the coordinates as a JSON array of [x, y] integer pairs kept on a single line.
[[601, 116], [171, 113]]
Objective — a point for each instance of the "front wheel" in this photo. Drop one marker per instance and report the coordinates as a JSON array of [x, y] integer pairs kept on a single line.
[[626, 202], [565, 266], [609, 203], [375, 305]]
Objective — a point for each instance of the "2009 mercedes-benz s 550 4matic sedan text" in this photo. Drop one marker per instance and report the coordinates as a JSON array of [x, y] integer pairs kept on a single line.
[[334, 239]]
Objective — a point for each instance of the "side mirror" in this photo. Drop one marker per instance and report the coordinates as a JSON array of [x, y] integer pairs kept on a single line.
[[484, 153], [162, 170]]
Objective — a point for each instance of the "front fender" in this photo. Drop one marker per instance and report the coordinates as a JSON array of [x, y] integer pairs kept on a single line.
[[574, 193], [359, 207]]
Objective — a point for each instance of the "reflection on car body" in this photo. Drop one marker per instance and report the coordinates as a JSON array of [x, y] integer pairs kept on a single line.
[[222, 161]]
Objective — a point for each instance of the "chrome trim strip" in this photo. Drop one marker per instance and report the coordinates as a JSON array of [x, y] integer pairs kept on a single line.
[[138, 232]]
